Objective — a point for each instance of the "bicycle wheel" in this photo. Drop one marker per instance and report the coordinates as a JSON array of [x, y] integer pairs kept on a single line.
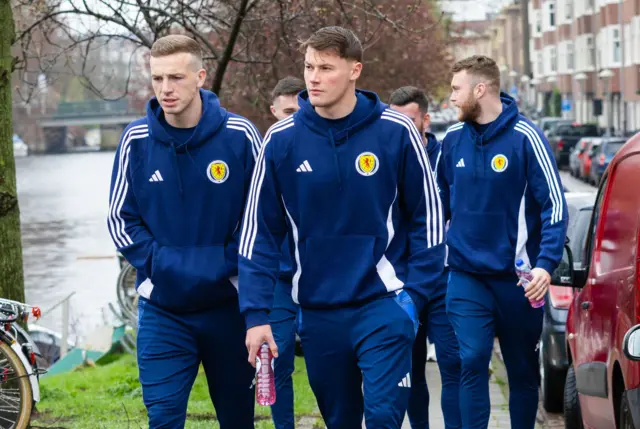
[[16, 397], [126, 291]]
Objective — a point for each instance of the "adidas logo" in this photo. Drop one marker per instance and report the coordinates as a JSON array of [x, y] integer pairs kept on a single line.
[[460, 163], [156, 177], [305, 167], [406, 381]]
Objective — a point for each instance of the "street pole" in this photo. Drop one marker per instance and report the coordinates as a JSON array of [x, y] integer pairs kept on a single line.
[[526, 67], [623, 105]]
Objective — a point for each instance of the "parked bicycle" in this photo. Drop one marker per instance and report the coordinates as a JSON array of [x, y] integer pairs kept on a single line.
[[19, 372], [126, 292]]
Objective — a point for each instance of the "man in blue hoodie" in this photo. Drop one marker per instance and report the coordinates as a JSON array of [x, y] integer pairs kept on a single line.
[[434, 322], [502, 192], [180, 178], [283, 314], [350, 181]]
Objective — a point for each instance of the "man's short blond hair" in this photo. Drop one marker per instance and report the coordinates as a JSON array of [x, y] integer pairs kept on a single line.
[[177, 44]]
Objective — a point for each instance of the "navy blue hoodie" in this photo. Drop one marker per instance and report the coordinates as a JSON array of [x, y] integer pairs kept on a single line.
[[433, 150], [502, 192], [175, 207], [341, 194]]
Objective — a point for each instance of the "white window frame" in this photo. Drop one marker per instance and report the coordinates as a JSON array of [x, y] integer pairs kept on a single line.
[[551, 11], [568, 10], [616, 45], [553, 59], [590, 50], [571, 56]]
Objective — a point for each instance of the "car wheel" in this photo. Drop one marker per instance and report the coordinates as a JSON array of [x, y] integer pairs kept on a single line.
[[626, 421], [572, 413], [551, 384]]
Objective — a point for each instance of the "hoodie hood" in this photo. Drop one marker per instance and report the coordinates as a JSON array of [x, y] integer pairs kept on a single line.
[[213, 117], [368, 109], [433, 145], [502, 123], [508, 115]]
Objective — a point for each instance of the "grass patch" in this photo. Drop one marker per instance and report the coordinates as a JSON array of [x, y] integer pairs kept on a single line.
[[110, 396]]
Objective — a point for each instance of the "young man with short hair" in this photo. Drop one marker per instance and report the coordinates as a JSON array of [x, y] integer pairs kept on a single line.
[[348, 179], [179, 184], [284, 97], [502, 192], [282, 317], [434, 322]]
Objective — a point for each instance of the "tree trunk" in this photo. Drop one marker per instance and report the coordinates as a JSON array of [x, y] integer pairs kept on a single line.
[[11, 275], [221, 69]]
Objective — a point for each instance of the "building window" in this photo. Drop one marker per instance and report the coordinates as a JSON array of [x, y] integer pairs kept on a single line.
[[538, 22], [617, 55], [568, 10], [553, 57], [636, 37], [591, 52], [552, 15], [570, 56], [539, 63]]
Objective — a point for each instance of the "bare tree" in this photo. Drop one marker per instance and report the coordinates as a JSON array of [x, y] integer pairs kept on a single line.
[[247, 44]]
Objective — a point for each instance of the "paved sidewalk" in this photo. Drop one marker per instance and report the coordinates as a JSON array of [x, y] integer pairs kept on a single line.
[[499, 405]]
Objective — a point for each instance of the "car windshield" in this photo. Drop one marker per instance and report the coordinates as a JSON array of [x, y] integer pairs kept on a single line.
[[612, 148]]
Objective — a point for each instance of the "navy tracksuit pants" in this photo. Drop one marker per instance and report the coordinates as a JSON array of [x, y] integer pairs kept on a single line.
[[170, 350], [435, 324], [481, 307], [282, 319], [366, 346]]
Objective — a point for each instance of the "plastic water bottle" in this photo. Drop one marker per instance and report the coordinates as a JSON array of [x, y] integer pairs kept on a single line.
[[266, 384], [523, 271]]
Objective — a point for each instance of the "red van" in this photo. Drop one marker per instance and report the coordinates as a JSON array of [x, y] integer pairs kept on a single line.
[[602, 389]]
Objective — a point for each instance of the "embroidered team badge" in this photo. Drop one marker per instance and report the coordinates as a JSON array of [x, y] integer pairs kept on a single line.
[[499, 163], [218, 171], [367, 164]]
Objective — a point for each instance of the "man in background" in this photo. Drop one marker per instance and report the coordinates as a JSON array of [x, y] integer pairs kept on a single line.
[[282, 317], [434, 322]]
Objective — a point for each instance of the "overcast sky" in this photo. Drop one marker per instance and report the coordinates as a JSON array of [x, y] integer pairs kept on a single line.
[[466, 10]]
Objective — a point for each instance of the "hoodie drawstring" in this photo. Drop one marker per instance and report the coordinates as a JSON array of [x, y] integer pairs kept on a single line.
[[335, 157], [174, 160]]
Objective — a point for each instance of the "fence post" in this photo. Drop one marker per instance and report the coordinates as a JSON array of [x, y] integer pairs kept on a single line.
[[65, 327]]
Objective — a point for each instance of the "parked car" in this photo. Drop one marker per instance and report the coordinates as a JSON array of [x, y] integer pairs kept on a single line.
[[553, 354], [564, 137], [602, 156], [548, 122], [19, 146], [587, 158], [575, 158], [602, 388]]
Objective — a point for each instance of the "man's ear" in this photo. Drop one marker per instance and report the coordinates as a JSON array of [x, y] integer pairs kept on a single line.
[[273, 110], [202, 75], [480, 89], [426, 120], [356, 70]]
